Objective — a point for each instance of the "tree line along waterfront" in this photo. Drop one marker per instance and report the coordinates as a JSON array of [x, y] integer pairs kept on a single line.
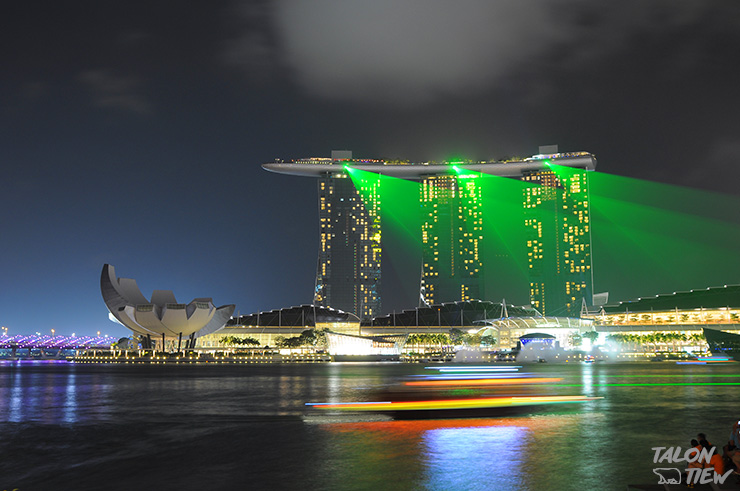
[[656, 341], [316, 338], [676, 340]]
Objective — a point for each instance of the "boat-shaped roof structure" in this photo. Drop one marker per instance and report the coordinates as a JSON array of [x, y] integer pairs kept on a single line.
[[320, 167]]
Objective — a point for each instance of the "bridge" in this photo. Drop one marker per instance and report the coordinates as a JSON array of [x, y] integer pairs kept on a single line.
[[56, 343]]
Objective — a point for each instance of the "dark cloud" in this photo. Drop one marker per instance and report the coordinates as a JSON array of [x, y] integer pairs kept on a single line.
[[718, 168], [419, 51], [110, 91], [412, 52], [252, 45]]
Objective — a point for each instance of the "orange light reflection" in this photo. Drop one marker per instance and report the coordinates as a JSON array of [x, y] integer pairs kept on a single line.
[[409, 428]]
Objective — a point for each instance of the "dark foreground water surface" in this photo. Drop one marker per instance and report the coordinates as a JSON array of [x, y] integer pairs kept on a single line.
[[123, 427]]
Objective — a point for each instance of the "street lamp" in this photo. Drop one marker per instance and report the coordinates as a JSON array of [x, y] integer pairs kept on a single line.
[[52, 333]]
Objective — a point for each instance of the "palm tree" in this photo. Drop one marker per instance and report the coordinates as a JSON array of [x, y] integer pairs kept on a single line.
[[591, 335], [456, 336], [228, 340]]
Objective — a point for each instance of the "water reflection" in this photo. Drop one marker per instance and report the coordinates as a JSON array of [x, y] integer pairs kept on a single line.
[[219, 427], [50, 392], [16, 400], [488, 457], [70, 402], [443, 454]]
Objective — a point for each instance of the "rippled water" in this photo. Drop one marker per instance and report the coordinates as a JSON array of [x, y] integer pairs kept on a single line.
[[66, 426]]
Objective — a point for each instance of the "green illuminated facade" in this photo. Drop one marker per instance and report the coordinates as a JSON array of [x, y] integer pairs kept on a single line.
[[348, 270], [451, 236], [558, 235], [524, 201]]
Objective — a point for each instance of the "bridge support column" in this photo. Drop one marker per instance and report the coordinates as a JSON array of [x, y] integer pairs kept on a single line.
[[179, 343]]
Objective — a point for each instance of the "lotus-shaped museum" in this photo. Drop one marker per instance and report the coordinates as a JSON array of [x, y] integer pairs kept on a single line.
[[162, 316]]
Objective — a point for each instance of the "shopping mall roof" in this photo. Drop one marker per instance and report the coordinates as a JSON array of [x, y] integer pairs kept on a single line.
[[709, 298], [302, 315], [452, 314]]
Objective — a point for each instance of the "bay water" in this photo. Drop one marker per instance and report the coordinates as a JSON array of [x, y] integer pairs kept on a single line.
[[125, 427]]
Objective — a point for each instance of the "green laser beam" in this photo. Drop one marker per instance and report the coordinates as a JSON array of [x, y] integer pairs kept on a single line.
[[647, 384], [674, 376], [661, 237]]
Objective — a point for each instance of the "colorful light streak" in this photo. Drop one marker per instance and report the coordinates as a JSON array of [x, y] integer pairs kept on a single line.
[[705, 360], [475, 369], [460, 376], [486, 381], [452, 404]]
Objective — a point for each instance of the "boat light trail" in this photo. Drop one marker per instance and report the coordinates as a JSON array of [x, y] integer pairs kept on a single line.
[[475, 369], [463, 376], [478, 403], [485, 381]]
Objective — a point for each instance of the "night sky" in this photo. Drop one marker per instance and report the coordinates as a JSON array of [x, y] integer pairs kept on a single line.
[[132, 133]]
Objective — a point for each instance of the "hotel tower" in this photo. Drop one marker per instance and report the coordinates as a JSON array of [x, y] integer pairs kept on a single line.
[[348, 270], [555, 222], [451, 237]]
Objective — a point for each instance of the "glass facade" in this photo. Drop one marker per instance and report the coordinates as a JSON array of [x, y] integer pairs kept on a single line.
[[451, 236], [348, 270], [558, 234]]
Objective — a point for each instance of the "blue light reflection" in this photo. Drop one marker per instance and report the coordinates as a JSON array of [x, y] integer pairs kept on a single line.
[[485, 457]]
